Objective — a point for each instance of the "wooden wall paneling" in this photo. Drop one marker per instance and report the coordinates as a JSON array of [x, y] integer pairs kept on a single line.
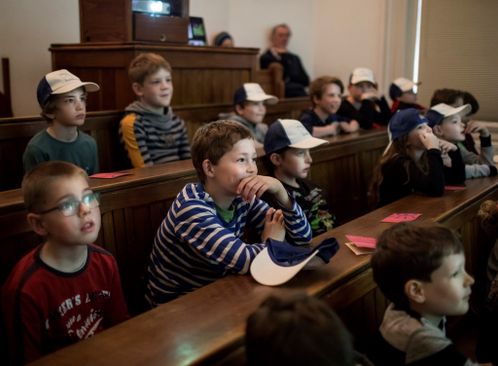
[[199, 73]]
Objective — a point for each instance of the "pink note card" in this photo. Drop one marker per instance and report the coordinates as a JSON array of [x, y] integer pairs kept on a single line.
[[453, 188], [108, 175], [401, 217], [362, 241]]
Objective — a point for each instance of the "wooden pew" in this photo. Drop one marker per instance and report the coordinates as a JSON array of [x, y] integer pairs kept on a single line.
[[133, 206], [206, 327], [15, 134], [272, 80]]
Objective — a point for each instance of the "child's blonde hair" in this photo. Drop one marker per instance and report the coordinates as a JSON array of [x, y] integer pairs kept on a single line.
[[37, 183], [146, 64]]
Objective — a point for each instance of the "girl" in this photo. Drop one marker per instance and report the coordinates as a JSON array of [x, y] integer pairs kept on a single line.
[[411, 162]]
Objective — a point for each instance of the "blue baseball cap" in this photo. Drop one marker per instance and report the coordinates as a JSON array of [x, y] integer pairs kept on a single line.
[[404, 121], [280, 261]]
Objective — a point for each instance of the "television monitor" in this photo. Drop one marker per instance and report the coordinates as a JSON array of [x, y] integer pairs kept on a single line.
[[196, 32]]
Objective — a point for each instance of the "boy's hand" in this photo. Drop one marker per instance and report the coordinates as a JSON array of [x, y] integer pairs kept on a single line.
[[256, 185], [446, 146], [371, 94], [351, 126], [446, 160], [333, 129], [429, 140], [474, 126], [274, 225]]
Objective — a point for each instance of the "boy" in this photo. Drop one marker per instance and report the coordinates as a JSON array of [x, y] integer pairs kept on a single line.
[[363, 103], [249, 103], [322, 120], [200, 240], [62, 98], [150, 132], [403, 95], [297, 329], [67, 289], [421, 270], [446, 123], [287, 148]]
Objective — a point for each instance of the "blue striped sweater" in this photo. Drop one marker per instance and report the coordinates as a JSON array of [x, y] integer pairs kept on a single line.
[[194, 246]]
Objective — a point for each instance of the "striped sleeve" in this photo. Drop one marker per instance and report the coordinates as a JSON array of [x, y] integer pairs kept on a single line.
[[132, 137], [296, 224], [200, 227]]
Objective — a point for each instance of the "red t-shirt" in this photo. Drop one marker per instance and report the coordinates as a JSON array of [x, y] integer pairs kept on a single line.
[[45, 309]]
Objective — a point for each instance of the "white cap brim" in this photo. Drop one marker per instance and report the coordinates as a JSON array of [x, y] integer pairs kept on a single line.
[[267, 273], [309, 143]]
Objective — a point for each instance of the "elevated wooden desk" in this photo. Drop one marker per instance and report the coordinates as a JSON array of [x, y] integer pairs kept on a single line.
[[201, 75], [206, 327]]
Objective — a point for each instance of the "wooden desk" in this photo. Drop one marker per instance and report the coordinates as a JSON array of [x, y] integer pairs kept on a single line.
[[15, 134], [206, 327], [133, 206]]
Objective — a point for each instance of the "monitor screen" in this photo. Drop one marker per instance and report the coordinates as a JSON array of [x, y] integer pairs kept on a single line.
[[196, 32]]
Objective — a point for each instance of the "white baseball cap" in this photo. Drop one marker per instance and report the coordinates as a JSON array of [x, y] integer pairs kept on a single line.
[[289, 133], [362, 74], [253, 92]]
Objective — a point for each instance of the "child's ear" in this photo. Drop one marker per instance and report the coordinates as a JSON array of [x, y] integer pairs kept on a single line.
[[208, 168], [239, 109], [276, 159], [438, 131], [36, 223], [137, 89], [315, 100], [414, 290]]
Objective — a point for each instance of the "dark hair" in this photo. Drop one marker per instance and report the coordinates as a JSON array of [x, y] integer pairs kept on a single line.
[[220, 38], [488, 214], [410, 251], [447, 96], [146, 64], [397, 148], [317, 86], [213, 140], [37, 182], [267, 163], [297, 329], [468, 98]]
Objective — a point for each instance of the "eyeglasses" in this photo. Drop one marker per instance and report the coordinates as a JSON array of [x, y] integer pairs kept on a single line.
[[71, 207]]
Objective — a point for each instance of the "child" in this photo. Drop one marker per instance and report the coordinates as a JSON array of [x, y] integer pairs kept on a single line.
[[363, 103], [249, 103], [150, 132], [421, 270], [67, 289], [447, 124], [322, 120], [403, 95], [486, 341], [457, 98], [62, 98], [297, 329], [200, 240], [411, 162], [287, 148]]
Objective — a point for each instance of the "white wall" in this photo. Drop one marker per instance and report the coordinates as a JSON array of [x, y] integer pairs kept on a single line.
[[27, 28], [331, 36]]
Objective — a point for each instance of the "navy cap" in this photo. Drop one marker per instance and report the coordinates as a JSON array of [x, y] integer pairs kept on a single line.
[[404, 121], [252, 92], [280, 261], [434, 117], [289, 133]]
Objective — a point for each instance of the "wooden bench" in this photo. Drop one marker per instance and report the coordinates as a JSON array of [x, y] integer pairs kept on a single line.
[[133, 206], [206, 327], [15, 134], [272, 80]]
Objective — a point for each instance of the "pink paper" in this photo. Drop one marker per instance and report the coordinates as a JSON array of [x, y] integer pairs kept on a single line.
[[362, 241], [108, 175], [453, 188], [401, 217]]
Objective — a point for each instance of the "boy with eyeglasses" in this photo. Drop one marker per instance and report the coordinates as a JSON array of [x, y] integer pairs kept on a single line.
[[66, 289]]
